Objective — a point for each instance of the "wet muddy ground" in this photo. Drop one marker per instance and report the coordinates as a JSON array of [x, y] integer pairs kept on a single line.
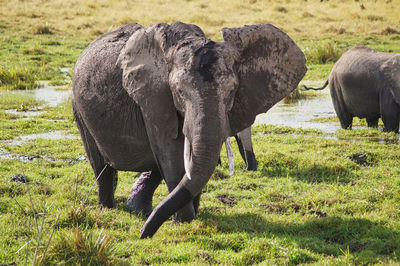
[[296, 114]]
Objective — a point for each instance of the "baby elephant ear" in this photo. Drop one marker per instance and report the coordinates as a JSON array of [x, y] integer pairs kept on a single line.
[[391, 70], [145, 78], [270, 65]]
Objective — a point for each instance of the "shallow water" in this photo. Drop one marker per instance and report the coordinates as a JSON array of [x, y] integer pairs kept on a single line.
[[54, 135], [295, 114], [298, 114], [48, 94], [28, 113]]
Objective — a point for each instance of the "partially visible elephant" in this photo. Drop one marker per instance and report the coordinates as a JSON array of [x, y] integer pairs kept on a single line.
[[162, 99], [366, 83]]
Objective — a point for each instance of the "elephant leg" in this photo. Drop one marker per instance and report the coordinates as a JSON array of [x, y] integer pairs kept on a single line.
[[390, 111], [247, 153], [345, 118], [108, 180], [373, 122], [107, 184], [141, 196]]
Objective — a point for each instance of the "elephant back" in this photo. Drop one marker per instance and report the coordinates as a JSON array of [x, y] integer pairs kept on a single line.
[[97, 64]]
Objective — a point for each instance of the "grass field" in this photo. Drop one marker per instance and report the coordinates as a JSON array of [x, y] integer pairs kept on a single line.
[[316, 198]]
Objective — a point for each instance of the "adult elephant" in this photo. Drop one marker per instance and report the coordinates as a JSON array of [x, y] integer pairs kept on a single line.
[[366, 83], [164, 98]]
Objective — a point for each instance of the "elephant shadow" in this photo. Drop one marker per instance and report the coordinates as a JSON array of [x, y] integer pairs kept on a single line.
[[311, 174], [330, 236]]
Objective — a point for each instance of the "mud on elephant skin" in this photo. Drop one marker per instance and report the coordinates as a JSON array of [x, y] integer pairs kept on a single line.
[[366, 83], [164, 98]]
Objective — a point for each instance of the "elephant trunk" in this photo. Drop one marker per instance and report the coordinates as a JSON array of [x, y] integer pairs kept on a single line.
[[203, 144]]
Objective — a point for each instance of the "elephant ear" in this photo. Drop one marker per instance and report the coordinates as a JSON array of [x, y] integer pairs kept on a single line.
[[145, 77], [270, 66], [391, 70]]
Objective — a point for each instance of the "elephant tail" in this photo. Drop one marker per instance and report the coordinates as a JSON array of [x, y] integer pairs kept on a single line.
[[316, 89]]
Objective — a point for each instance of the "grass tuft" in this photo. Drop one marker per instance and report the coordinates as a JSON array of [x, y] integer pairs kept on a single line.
[[328, 52], [82, 248], [389, 30], [294, 96], [44, 29], [18, 78], [375, 18], [281, 9]]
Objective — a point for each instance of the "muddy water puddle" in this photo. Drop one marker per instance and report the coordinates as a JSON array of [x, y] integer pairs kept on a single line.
[[51, 95], [296, 114], [53, 135], [299, 113]]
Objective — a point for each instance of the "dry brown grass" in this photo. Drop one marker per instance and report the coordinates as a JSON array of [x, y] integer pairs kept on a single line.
[[298, 17]]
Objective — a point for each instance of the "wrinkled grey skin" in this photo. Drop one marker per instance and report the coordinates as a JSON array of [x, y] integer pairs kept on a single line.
[[164, 98], [366, 83]]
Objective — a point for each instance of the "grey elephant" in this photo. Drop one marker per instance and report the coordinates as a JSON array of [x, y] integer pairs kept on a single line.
[[366, 83], [164, 98]]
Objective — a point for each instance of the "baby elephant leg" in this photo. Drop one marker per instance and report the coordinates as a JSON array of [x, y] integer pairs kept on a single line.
[[141, 196]]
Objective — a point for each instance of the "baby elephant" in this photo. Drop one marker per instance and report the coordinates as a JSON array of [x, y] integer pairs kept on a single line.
[[366, 83]]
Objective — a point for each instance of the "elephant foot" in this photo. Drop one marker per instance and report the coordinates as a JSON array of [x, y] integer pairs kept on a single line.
[[141, 196], [140, 204], [107, 204], [107, 180], [251, 161], [186, 214]]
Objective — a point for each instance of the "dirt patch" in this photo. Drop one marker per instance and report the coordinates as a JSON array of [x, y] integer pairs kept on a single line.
[[360, 158], [18, 178], [317, 213], [357, 247], [228, 200], [280, 208]]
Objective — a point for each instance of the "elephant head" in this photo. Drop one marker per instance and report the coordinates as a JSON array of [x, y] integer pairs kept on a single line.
[[391, 70], [217, 88]]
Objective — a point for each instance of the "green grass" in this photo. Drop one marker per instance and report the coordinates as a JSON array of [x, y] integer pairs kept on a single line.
[[37, 40], [323, 53], [18, 78], [309, 202]]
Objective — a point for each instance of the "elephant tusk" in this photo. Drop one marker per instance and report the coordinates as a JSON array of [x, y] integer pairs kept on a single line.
[[229, 152], [187, 155]]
